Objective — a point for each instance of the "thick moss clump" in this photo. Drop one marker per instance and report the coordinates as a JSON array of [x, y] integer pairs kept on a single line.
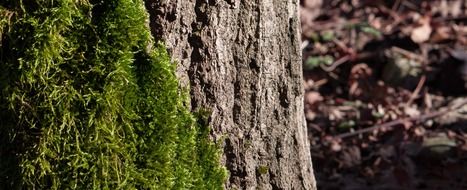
[[88, 102]]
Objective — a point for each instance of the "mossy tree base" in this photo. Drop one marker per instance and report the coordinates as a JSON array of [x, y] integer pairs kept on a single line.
[[88, 102]]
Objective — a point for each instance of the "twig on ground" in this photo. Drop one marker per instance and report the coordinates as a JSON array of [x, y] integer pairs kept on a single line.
[[416, 91], [336, 63], [343, 47], [404, 120]]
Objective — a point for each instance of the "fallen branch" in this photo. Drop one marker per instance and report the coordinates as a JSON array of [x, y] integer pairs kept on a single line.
[[404, 120]]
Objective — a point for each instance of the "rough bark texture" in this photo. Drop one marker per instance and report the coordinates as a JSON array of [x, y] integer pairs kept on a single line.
[[242, 61]]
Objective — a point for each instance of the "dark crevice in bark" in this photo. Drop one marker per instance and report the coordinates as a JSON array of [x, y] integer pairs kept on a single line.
[[254, 98], [196, 43], [202, 16], [236, 107], [198, 55], [283, 96], [230, 2], [254, 65], [274, 185], [157, 11], [237, 170], [278, 152]]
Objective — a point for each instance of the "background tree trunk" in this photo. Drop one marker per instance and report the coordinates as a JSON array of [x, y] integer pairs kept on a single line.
[[243, 62]]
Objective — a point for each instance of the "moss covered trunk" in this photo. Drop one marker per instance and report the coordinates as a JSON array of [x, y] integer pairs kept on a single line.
[[242, 60], [90, 102]]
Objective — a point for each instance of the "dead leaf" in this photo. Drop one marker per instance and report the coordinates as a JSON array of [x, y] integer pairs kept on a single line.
[[419, 131], [313, 4], [440, 139], [307, 16], [456, 115], [411, 111], [441, 33], [310, 115], [445, 8], [335, 146], [313, 98], [309, 11], [421, 33], [451, 134], [336, 115], [359, 76]]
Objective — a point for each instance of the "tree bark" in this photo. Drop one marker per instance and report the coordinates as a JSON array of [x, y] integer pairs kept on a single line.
[[242, 61]]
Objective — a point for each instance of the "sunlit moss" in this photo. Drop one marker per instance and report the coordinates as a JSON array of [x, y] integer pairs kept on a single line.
[[90, 102]]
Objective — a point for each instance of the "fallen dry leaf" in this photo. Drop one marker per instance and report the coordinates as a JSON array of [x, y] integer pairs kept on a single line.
[[335, 146], [411, 111], [310, 115], [441, 33], [419, 131], [313, 97], [423, 31], [445, 7], [313, 4]]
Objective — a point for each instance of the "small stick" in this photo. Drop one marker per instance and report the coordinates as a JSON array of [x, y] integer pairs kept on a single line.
[[342, 46], [336, 63], [403, 120], [417, 90], [370, 129]]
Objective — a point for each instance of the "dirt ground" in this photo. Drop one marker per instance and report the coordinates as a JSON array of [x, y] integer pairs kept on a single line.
[[386, 86]]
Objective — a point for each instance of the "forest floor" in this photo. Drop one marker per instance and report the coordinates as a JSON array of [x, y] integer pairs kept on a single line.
[[386, 86]]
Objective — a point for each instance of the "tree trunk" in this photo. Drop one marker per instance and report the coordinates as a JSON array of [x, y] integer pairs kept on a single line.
[[242, 61]]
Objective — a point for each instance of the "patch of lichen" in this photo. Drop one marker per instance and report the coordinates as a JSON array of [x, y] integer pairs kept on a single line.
[[89, 102], [263, 170]]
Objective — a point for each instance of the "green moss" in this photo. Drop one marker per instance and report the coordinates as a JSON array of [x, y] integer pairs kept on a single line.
[[263, 170], [88, 102]]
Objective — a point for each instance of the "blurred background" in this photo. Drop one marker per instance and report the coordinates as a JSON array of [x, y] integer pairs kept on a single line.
[[386, 86]]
